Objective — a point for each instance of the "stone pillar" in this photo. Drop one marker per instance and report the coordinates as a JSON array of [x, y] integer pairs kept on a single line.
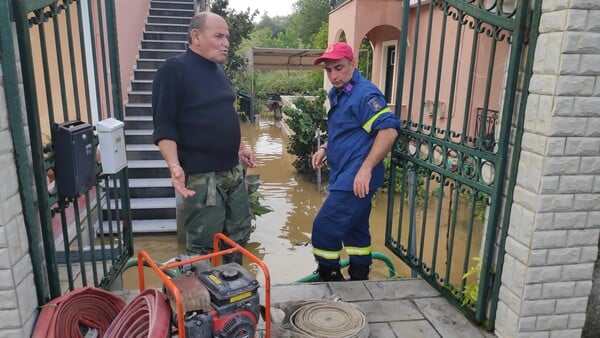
[[552, 242], [18, 301]]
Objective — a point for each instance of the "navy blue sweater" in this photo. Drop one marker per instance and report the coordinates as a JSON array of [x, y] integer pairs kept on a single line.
[[193, 105]]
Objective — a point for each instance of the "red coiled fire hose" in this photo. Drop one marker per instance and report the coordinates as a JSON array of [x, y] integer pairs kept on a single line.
[[147, 315], [89, 307]]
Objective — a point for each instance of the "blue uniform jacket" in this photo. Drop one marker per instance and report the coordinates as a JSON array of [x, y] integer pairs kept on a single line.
[[357, 112]]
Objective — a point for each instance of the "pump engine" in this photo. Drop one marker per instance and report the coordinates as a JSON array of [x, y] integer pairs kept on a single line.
[[220, 302]]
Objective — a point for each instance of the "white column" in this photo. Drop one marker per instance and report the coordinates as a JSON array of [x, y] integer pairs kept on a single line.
[[552, 242]]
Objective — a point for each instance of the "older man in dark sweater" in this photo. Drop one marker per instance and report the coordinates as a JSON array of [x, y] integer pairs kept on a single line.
[[197, 131]]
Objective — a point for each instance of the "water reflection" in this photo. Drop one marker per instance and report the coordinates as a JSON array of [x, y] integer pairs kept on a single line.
[[282, 238], [445, 227]]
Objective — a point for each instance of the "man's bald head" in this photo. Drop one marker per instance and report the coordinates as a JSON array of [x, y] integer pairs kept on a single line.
[[208, 36]]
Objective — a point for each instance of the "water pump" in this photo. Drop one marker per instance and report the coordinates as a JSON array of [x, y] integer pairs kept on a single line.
[[220, 302]]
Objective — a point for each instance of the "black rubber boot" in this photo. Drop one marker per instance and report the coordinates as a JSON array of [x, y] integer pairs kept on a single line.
[[359, 272], [330, 273]]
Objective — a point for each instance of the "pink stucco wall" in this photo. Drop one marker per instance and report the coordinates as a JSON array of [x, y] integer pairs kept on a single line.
[[383, 25], [131, 18], [380, 25]]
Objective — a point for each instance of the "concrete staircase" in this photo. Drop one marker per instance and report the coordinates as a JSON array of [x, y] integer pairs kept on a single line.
[[151, 193]]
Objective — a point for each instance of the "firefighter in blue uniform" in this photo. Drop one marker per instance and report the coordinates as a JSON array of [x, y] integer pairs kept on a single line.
[[361, 132]]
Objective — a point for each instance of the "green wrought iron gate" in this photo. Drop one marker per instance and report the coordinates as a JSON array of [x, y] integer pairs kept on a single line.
[[463, 74], [69, 63]]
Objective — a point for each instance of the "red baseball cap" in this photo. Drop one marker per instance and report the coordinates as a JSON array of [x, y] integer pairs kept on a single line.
[[336, 51]]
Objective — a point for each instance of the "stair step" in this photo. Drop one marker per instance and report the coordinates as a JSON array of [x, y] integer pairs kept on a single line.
[[142, 152], [164, 44], [143, 155], [140, 183], [144, 74], [169, 36], [136, 97], [147, 169], [153, 208], [152, 197], [149, 63], [152, 192], [139, 109], [137, 183], [159, 53], [145, 164], [141, 147], [147, 208], [137, 136], [148, 226], [187, 13], [141, 85], [184, 20], [167, 27], [172, 5], [137, 121], [152, 203], [136, 132]]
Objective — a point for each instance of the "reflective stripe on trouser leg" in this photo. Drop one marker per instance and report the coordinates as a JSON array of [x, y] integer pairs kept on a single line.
[[341, 215], [356, 251], [358, 240], [327, 255]]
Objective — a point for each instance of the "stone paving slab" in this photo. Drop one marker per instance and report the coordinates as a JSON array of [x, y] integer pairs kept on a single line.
[[413, 328], [394, 308], [447, 320], [410, 289], [407, 308], [389, 310]]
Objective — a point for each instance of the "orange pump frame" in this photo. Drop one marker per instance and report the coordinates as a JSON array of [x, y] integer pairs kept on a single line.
[[143, 257]]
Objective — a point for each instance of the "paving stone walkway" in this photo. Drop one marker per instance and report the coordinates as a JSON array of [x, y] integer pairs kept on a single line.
[[394, 308]]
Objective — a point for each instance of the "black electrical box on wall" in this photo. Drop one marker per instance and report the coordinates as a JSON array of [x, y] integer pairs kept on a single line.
[[74, 154]]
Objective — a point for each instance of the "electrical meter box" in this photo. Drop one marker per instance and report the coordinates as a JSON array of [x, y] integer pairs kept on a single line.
[[74, 154], [112, 145]]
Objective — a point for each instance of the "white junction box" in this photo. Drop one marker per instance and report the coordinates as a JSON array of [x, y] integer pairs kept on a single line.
[[112, 145]]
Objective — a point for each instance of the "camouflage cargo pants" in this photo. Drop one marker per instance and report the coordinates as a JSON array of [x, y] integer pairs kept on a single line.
[[220, 205]]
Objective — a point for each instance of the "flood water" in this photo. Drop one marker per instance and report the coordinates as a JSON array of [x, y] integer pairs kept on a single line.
[[282, 237]]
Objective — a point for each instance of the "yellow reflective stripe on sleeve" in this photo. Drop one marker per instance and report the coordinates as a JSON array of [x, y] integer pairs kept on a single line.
[[358, 251], [326, 254], [369, 124]]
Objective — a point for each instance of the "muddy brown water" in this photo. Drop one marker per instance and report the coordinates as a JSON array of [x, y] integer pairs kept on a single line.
[[282, 237]]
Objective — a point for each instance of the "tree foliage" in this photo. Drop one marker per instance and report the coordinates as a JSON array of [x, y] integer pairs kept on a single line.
[[274, 25], [304, 120], [285, 32], [289, 82], [319, 39], [240, 27], [305, 28], [308, 18]]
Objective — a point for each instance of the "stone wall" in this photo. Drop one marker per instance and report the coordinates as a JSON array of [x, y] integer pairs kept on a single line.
[[18, 300], [554, 227]]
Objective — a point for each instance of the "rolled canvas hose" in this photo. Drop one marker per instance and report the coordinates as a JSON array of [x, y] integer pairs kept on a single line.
[[330, 319], [89, 307], [147, 315]]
